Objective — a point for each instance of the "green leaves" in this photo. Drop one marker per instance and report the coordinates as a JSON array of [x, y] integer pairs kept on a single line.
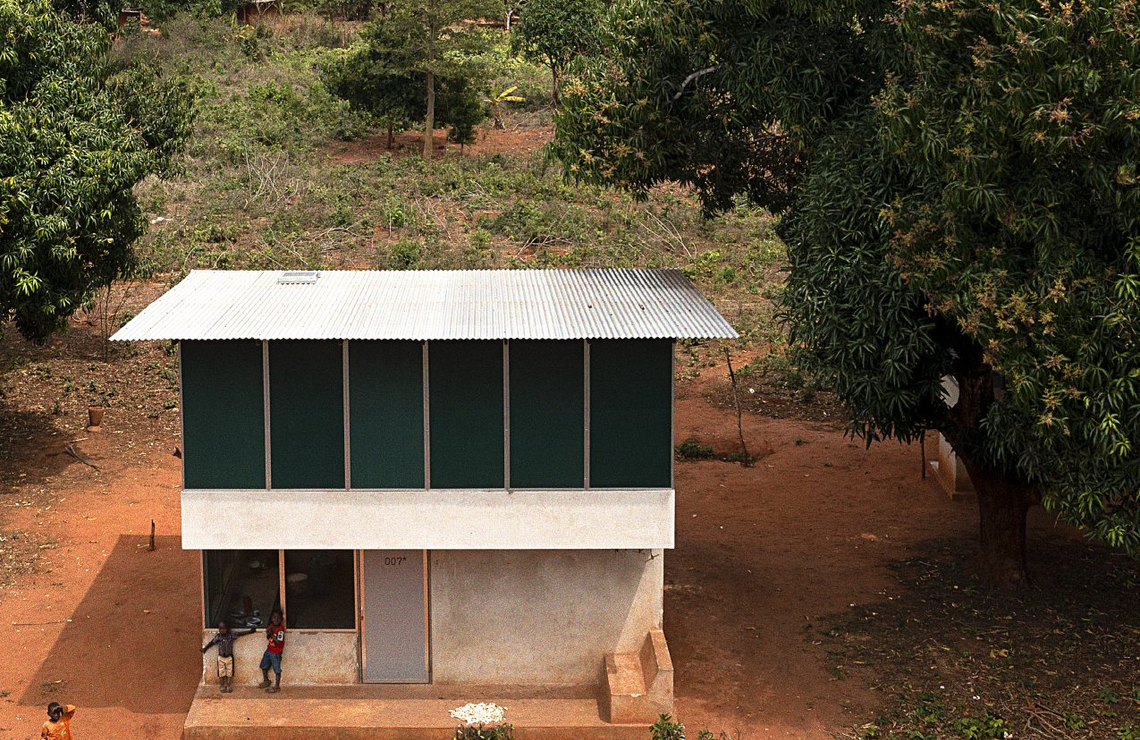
[[74, 140], [960, 186]]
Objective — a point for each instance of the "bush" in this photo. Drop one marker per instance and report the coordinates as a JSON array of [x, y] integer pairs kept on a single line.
[[691, 449], [479, 732]]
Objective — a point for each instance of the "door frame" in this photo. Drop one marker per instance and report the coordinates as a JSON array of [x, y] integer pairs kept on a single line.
[[363, 622]]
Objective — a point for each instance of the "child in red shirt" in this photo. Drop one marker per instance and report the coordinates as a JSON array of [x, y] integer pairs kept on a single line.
[[275, 635]]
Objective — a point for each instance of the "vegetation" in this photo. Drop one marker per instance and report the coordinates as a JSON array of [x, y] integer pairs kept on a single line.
[[76, 134], [556, 32], [960, 197], [416, 56]]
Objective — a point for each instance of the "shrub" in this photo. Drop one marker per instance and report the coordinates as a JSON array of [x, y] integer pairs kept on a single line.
[[691, 449]]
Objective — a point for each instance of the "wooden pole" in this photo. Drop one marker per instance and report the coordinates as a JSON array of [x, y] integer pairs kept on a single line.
[[151, 545], [747, 461]]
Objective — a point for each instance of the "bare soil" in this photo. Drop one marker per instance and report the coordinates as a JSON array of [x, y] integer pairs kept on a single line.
[[783, 592]]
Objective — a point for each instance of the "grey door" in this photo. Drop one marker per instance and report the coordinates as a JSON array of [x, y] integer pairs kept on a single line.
[[395, 616]]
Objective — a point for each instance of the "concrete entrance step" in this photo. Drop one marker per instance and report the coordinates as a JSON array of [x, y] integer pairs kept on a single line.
[[379, 713]]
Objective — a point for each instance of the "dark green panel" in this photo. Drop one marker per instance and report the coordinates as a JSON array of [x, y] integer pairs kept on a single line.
[[386, 414], [306, 414], [631, 400], [466, 414], [223, 415], [547, 408]]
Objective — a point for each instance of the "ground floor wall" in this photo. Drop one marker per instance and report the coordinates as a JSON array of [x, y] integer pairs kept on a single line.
[[539, 617], [519, 617], [311, 658]]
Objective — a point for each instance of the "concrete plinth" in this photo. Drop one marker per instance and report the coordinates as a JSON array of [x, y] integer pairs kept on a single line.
[[393, 713]]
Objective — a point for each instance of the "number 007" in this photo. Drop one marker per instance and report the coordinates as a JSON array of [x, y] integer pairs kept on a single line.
[[397, 560]]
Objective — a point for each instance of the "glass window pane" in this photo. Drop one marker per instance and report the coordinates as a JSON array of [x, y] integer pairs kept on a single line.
[[319, 589], [241, 586]]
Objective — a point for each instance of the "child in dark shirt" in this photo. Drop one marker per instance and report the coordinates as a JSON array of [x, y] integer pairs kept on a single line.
[[225, 642]]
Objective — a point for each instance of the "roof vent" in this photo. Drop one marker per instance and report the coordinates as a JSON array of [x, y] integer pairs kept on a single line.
[[304, 277]]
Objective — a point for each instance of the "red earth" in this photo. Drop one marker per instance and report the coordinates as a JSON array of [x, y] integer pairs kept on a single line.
[[764, 556]]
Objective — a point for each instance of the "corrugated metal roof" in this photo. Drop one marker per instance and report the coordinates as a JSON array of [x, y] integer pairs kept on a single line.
[[432, 304]]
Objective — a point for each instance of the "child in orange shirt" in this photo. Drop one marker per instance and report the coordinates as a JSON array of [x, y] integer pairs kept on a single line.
[[58, 726]]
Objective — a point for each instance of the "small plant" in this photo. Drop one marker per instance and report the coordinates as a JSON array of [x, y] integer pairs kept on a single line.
[[482, 722], [988, 727], [666, 729], [691, 449]]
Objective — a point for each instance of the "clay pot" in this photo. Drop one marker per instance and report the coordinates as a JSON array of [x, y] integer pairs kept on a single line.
[[94, 417]]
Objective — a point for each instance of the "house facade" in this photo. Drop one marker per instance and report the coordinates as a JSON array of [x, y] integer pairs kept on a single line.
[[449, 477]]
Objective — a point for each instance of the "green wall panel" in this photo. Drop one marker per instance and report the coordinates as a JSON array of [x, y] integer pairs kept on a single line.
[[465, 413], [631, 398], [306, 414], [223, 414], [547, 409], [386, 414]]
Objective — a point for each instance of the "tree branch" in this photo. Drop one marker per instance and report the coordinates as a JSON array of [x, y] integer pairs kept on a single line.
[[695, 75]]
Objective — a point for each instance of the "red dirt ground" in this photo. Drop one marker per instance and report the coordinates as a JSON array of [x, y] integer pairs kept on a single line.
[[764, 555]]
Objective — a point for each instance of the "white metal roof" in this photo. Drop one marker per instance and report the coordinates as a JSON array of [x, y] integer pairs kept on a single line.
[[431, 304]]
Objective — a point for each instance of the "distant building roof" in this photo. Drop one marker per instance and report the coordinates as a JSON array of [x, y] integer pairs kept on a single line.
[[431, 304]]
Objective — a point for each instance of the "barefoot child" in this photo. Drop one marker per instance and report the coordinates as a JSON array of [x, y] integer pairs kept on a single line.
[[275, 634], [225, 642], [58, 726]]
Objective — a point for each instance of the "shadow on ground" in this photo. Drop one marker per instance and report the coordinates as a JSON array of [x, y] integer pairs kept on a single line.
[[131, 622]]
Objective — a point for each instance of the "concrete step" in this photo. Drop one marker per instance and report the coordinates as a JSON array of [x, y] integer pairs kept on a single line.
[[364, 713], [639, 686]]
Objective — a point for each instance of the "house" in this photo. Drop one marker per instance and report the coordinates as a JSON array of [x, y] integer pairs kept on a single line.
[[451, 478]]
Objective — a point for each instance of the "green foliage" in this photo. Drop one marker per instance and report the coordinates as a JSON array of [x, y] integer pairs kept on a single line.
[[76, 135], [479, 732], [986, 727], [414, 59], [556, 32], [666, 729], [960, 184], [691, 449]]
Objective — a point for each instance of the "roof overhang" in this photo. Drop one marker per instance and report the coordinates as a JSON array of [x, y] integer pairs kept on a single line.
[[430, 305]]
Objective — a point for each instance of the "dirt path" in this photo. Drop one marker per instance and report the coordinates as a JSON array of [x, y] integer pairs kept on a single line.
[[763, 555]]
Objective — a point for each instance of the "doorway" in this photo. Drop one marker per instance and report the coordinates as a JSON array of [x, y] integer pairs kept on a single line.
[[396, 630]]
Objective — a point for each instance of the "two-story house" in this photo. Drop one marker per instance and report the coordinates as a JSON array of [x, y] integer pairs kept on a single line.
[[454, 478]]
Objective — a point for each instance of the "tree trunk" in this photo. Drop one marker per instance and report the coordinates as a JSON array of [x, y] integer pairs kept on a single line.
[[1003, 503], [390, 137], [554, 85], [1003, 498], [429, 118]]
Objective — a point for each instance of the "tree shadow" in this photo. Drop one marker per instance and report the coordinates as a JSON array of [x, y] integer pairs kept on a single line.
[[31, 446], [132, 641]]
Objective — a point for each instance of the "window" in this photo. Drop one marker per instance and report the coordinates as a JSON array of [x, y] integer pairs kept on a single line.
[[320, 590], [241, 586]]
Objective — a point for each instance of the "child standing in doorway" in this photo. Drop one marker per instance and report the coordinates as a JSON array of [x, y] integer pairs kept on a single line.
[[225, 642], [275, 635]]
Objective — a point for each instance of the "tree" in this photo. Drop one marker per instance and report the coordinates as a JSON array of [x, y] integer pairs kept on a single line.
[[76, 135], [960, 196], [408, 51], [556, 32]]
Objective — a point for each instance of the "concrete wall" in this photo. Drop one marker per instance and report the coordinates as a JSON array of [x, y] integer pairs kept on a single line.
[[311, 658], [539, 617], [437, 519]]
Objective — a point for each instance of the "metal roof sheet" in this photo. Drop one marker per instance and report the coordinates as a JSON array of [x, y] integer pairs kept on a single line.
[[431, 304]]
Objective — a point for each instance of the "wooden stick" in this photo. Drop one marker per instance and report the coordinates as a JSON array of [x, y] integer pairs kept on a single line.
[[747, 461], [151, 545]]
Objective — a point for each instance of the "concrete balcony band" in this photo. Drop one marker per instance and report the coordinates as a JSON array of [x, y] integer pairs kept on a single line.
[[436, 519]]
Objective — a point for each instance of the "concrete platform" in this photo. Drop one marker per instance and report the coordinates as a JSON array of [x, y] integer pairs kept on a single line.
[[370, 712]]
